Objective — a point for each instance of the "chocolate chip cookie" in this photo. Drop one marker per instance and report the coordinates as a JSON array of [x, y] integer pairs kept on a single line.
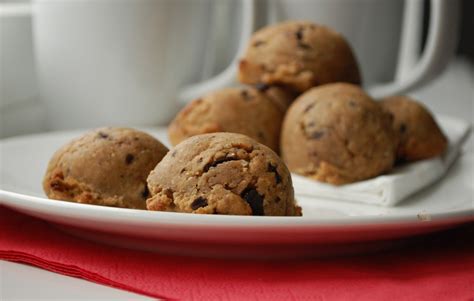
[[299, 55], [253, 111], [222, 173], [337, 134], [107, 166], [420, 135]]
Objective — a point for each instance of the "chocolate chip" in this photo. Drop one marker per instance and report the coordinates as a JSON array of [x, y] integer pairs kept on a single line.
[[277, 200], [57, 185], [198, 203], [182, 170], [245, 94], [299, 34], [200, 160], [145, 192], [129, 159], [273, 168], [258, 43], [299, 37], [262, 87], [168, 192], [255, 200], [352, 103], [316, 135], [103, 135], [401, 160], [217, 162], [403, 128], [308, 108]]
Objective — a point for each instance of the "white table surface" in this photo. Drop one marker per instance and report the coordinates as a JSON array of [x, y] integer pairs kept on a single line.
[[452, 94]]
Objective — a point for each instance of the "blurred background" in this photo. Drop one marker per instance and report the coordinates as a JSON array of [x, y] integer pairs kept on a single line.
[[22, 111]]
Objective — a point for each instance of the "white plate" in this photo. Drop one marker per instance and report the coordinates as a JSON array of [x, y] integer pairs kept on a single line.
[[327, 227]]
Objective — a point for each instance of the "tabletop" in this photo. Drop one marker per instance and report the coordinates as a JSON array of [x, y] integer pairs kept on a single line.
[[452, 94]]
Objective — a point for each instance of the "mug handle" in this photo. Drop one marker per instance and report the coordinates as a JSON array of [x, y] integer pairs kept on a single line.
[[227, 76], [414, 72]]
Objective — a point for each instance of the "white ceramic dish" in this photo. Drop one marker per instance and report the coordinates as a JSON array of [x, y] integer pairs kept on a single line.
[[327, 227]]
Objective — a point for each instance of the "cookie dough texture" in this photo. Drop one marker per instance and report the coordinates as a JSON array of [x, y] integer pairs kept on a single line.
[[107, 166], [337, 134], [299, 55], [420, 135], [255, 112], [222, 173]]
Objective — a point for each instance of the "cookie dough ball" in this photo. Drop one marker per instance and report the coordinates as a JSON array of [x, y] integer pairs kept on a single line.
[[420, 135], [337, 134], [222, 173], [257, 113], [107, 166], [299, 55]]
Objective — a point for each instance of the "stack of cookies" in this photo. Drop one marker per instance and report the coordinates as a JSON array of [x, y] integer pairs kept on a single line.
[[303, 99]]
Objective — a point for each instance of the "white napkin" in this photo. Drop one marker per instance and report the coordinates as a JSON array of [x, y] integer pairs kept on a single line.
[[390, 189]]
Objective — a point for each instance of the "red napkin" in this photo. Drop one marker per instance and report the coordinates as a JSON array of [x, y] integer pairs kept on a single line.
[[440, 267]]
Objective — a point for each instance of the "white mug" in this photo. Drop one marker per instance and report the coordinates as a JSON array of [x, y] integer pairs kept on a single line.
[[20, 111], [126, 62], [384, 34]]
